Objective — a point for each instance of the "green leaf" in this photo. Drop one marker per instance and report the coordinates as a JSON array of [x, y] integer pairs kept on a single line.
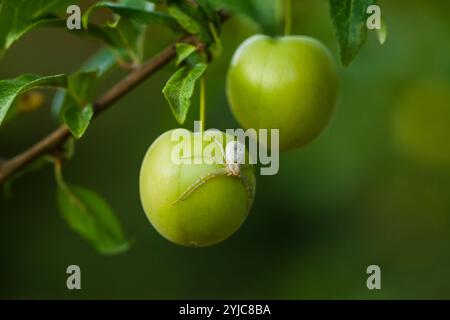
[[266, 13], [191, 20], [18, 17], [28, 102], [208, 9], [126, 32], [142, 13], [122, 34], [123, 37], [10, 89], [77, 118], [349, 22], [180, 88], [184, 50], [210, 12], [187, 22], [91, 217], [198, 18], [76, 111], [103, 61], [81, 85]]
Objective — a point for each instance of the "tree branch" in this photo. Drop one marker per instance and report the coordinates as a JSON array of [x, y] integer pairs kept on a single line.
[[55, 139]]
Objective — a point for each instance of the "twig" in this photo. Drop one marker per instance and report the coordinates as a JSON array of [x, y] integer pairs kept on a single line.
[[55, 139]]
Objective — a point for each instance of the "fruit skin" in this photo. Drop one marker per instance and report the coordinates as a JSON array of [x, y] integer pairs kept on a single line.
[[288, 83], [211, 214]]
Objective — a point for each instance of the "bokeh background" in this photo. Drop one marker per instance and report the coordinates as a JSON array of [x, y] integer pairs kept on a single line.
[[373, 189]]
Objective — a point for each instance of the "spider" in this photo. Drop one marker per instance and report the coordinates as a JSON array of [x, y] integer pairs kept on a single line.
[[234, 158]]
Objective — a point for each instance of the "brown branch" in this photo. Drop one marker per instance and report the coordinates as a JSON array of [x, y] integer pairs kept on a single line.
[[55, 139]]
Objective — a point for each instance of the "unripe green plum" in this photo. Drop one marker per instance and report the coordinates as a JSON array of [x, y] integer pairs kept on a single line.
[[211, 213], [288, 83]]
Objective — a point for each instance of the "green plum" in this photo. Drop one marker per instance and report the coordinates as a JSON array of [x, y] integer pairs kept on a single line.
[[288, 83], [193, 204]]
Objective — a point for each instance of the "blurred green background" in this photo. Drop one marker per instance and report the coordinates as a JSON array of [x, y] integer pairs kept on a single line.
[[373, 189]]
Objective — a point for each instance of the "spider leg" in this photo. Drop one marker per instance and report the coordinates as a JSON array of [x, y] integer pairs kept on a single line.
[[201, 181], [194, 157], [250, 191], [221, 149]]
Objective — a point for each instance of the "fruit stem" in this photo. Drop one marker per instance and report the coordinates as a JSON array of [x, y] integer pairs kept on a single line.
[[202, 104], [218, 43], [58, 172], [287, 17]]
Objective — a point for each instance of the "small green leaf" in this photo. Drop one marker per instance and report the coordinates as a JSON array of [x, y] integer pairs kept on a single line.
[[129, 36], [194, 59], [141, 14], [180, 88], [210, 12], [187, 22], [58, 102], [349, 22], [81, 85], [91, 217], [266, 13], [10, 89], [184, 50], [122, 34], [103, 61], [191, 21], [75, 109], [77, 118], [126, 32], [17, 17]]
